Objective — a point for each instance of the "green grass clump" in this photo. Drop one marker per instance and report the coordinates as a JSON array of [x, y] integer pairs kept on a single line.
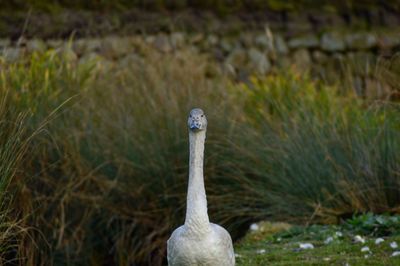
[[105, 180], [376, 225], [33, 91], [319, 154]]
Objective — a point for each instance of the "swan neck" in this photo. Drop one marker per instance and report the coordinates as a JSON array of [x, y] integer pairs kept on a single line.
[[196, 210]]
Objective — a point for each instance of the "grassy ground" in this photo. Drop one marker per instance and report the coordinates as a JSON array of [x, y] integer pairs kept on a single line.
[[274, 244]]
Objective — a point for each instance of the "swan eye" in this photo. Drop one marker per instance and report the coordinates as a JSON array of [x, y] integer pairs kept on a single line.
[[202, 115]]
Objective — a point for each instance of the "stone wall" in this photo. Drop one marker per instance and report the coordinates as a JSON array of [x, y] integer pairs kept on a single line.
[[244, 44], [253, 51]]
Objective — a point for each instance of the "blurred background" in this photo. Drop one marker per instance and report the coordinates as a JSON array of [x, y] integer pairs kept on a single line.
[[302, 99]]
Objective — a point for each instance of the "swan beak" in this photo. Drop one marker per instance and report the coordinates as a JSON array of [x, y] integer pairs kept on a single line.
[[195, 126]]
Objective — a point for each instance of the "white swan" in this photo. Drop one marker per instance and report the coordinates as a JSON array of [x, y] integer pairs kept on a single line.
[[198, 242]]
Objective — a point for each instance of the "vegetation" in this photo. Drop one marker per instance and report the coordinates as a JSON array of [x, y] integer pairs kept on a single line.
[[94, 18], [220, 6], [12, 148], [273, 244], [374, 225], [105, 180], [332, 154]]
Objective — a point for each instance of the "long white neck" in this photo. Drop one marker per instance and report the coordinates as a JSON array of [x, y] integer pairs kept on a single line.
[[196, 208]]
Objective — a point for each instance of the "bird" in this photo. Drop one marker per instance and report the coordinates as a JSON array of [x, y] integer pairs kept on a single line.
[[198, 242]]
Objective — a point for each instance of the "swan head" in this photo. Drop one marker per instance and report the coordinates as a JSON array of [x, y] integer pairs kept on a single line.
[[197, 120]]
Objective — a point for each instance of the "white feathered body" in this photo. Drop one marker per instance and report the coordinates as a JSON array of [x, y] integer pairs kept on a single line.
[[213, 248]]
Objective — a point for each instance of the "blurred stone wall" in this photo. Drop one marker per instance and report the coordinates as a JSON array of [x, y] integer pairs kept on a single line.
[[243, 44]]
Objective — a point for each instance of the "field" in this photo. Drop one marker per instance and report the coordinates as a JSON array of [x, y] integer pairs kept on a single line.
[[94, 155]]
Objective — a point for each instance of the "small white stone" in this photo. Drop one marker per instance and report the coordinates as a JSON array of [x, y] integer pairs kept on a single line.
[[379, 240], [359, 239], [328, 240], [261, 251], [279, 239], [327, 259], [366, 256], [254, 227], [365, 249], [339, 234], [238, 255], [393, 245], [396, 253], [306, 246]]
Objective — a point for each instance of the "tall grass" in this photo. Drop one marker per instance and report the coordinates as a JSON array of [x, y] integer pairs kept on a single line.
[[13, 143], [105, 181], [107, 178], [33, 91], [322, 155]]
